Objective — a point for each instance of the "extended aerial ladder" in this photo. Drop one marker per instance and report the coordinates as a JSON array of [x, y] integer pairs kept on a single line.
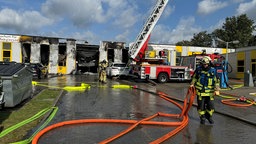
[[137, 49], [154, 67]]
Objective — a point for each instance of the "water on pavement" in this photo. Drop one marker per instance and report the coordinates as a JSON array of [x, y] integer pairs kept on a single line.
[[103, 101]]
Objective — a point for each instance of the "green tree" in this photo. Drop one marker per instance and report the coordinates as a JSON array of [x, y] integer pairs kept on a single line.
[[252, 42], [234, 28], [238, 28], [220, 33], [184, 43], [202, 39]]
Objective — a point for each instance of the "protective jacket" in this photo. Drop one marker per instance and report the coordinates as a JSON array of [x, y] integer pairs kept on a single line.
[[205, 81], [102, 69]]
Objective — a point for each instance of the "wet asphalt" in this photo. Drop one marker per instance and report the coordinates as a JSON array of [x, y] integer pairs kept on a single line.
[[232, 124]]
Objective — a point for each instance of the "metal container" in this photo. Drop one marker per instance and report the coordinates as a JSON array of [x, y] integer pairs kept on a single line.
[[17, 82], [2, 101]]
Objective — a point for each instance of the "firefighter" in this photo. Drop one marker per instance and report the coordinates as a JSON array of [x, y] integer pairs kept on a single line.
[[206, 83], [102, 69], [162, 53]]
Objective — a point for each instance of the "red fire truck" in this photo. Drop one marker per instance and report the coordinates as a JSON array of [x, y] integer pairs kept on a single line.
[[155, 64]]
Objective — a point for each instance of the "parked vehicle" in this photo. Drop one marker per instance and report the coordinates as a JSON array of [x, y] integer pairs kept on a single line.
[[117, 69], [39, 70]]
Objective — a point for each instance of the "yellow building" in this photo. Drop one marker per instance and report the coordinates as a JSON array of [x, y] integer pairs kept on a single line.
[[241, 61]]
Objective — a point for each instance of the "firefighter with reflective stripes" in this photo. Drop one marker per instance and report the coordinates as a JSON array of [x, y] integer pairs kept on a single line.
[[102, 71], [206, 83]]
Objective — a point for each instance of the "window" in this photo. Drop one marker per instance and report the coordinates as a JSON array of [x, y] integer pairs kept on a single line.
[[178, 58], [240, 66], [7, 47]]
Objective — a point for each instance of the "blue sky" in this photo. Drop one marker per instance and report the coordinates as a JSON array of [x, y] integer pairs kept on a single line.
[[117, 20]]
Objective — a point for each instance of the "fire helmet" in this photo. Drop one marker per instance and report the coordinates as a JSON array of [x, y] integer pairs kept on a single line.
[[206, 60]]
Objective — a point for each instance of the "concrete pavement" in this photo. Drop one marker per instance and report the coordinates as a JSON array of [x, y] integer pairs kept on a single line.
[[103, 102]]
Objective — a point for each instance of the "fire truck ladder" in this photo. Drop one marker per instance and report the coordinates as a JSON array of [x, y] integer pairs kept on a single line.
[[135, 48]]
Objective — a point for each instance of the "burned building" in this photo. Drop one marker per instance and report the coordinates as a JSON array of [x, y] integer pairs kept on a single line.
[[113, 52], [60, 55]]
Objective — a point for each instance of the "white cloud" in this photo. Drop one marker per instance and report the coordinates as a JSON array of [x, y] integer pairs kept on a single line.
[[237, 1], [168, 11], [82, 13], [209, 6], [88, 36], [24, 22], [184, 31], [123, 12], [126, 19], [123, 37], [248, 8]]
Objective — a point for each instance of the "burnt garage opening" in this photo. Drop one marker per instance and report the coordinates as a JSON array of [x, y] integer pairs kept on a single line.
[[26, 52], [111, 55], [45, 53], [87, 57], [116, 52], [125, 56], [62, 54]]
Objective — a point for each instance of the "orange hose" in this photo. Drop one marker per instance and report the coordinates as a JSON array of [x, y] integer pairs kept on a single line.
[[229, 102], [127, 130], [172, 133], [189, 97]]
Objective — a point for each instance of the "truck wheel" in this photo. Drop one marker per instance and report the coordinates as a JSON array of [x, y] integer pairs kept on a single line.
[[162, 78]]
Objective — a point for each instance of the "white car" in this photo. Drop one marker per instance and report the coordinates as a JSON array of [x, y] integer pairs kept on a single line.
[[117, 69]]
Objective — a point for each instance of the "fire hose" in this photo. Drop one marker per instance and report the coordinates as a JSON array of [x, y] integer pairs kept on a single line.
[[53, 111], [188, 102], [231, 100]]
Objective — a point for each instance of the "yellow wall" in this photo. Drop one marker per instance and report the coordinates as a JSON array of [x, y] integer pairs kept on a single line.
[[62, 69], [253, 63], [191, 53], [253, 54], [240, 56], [224, 50], [179, 49]]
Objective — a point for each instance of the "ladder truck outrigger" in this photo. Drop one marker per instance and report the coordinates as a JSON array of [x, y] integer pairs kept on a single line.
[[153, 65]]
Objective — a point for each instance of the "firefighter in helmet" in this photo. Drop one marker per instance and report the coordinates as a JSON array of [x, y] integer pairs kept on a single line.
[[206, 82], [102, 71]]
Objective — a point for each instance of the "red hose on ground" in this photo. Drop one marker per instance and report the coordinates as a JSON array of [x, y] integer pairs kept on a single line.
[[181, 124], [229, 102]]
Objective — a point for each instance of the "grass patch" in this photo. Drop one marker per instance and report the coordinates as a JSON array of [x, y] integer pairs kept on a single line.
[[11, 117]]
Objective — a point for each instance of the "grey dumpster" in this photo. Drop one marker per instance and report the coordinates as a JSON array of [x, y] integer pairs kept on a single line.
[[17, 83], [2, 101], [248, 80]]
